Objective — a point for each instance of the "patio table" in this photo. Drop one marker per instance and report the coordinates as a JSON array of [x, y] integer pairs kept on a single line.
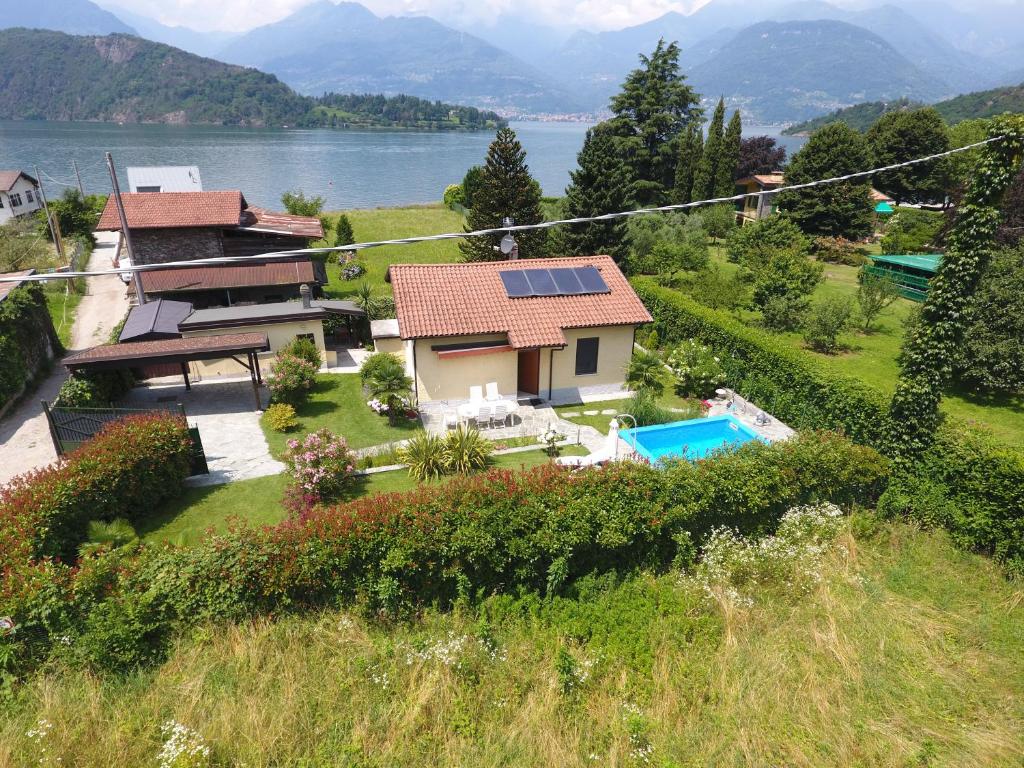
[[470, 410]]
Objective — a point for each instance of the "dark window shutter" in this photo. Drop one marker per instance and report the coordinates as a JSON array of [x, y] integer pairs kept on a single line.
[[586, 356]]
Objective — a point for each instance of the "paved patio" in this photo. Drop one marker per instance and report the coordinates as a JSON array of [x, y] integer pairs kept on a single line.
[[235, 446]]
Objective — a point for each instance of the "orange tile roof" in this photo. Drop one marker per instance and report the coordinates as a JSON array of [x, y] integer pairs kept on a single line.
[[228, 276], [9, 178], [467, 299], [169, 210]]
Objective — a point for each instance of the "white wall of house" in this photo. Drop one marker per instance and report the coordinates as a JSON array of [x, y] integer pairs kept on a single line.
[[558, 367], [23, 198], [449, 378], [278, 334]]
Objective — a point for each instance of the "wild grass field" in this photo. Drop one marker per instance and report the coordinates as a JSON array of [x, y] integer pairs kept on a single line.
[[902, 652]]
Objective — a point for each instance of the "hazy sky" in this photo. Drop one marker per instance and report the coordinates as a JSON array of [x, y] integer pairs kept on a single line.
[[239, 15]]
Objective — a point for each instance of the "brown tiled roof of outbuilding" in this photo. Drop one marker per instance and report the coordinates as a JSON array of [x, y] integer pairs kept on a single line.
[[468, 299], [171, 210], [222, 276], [144, 350], [262, 220]]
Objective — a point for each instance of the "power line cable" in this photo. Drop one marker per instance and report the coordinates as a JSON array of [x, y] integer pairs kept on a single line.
[[505, 229]]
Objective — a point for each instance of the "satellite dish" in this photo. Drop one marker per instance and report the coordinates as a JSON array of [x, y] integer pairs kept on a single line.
[[507, 244]]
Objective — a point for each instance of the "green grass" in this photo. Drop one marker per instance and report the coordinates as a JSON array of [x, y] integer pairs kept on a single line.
[[906, 653], [872, 357], [690, 409], [337, 403], [392, 224], [257, 502], [62, 307]]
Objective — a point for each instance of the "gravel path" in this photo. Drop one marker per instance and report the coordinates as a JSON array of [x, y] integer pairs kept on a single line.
[[25, 442]]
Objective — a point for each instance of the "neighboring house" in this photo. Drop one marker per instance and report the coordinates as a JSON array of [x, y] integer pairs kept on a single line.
[[164, 178], [755, 208], [183, 226], [19, 195], [556, 329]]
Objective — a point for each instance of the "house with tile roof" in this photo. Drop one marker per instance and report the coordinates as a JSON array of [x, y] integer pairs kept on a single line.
[[759, 206], [19, 195], [182, 226], [559, 329]]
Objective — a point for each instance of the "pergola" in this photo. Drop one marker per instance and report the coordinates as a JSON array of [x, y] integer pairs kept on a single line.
[[112, 357]]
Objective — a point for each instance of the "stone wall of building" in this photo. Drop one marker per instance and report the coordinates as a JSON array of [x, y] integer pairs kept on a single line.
[[159, 246]]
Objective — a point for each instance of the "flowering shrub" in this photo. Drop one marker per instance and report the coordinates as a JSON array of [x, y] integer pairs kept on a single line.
[[183, 747], [550, 438], [321, 464], [352, 270], [291, 378], [697, 369]]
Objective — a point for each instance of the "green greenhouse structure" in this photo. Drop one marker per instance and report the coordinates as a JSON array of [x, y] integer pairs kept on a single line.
[[911, 272]]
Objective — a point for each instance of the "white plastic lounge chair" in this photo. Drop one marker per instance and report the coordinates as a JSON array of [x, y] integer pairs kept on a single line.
[[500, 416], [492, 391], [483, 418], [590, 460], [476, 394]]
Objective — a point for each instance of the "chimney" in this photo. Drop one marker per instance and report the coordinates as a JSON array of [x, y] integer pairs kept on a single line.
[[304, 292]]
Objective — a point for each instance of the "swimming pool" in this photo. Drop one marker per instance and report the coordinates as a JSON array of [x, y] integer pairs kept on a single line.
[[692, 439]]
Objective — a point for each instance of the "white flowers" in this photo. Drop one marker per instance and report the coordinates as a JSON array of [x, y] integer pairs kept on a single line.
[[183, 747], [38, 735], [377, 406]]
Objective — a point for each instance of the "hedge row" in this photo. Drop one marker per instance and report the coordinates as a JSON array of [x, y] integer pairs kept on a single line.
[[763, 368], [27, 338], [501, 531], [130, 467], [966, 482]]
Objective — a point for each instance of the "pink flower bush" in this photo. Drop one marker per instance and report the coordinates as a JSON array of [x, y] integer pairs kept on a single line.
[[321, 465], [291, 378]]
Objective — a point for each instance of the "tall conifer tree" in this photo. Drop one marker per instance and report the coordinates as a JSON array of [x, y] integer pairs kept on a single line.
[[689, 157], [729, 158], [506, 189], [600, 185], [706, 175]]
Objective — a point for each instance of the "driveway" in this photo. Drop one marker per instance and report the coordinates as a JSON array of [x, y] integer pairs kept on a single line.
[[25, 442], [235, 446]]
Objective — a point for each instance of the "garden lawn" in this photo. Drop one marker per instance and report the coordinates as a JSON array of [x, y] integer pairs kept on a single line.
[[872, 357], [257, 502], [337, 403], [62, 306], [393, 224], [687, 409]]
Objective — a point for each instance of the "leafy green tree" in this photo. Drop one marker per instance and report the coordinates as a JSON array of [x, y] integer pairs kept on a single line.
[[599, 185], [719, 220], [729, 158], [991, 358], [471, 183], [759, 154], [705, 177], [960, 166], [826, 320], [911, 230], [900, 136], [506, 189], [840, 209], [690, 152], [343, 234], [874, 294], [1011, 230], [76, 215], [755, 242], [650, 114], [297, 204], [782, 284]]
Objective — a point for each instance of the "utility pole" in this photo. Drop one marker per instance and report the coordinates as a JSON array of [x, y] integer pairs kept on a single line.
[[79, 177], [136, 279], [46, 210]]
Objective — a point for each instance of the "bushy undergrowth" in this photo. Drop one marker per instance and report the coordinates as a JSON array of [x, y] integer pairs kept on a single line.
[[500, 531]]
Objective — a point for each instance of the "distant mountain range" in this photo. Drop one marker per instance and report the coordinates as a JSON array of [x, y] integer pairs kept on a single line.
[[777, 60], [967, 106], [123, 78]]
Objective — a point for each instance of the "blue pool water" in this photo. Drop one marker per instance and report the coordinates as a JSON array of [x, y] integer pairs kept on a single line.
[[692, 439]]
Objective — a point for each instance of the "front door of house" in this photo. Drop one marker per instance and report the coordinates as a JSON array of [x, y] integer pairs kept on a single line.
[[529, 371]]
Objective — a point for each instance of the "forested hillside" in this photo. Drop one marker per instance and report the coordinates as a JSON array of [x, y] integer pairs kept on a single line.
[[121, 78]]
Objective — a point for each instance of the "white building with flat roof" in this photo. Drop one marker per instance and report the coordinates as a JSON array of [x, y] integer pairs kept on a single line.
[[164, 178], [19, 195]]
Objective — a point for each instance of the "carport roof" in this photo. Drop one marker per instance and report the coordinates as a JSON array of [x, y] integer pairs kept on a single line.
[[114, 356]]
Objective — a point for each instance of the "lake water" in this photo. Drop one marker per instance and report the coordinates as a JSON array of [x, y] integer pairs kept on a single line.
[[349, 168]]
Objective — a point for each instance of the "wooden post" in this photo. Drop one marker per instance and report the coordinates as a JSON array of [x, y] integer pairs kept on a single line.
[[184, 373], [126, 237], [255, 384]]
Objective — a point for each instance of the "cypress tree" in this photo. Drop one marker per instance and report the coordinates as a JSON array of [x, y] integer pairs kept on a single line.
[[599, 185], [729, 158], [689, 156], [506, 189], [706, 175]]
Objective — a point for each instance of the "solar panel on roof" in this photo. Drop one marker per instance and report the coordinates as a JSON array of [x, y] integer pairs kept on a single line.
[[516, 284], [566, 281], [591, 280], [541, 282]]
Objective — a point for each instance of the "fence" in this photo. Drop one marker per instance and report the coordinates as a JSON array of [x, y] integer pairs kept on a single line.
[[912, 287]]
